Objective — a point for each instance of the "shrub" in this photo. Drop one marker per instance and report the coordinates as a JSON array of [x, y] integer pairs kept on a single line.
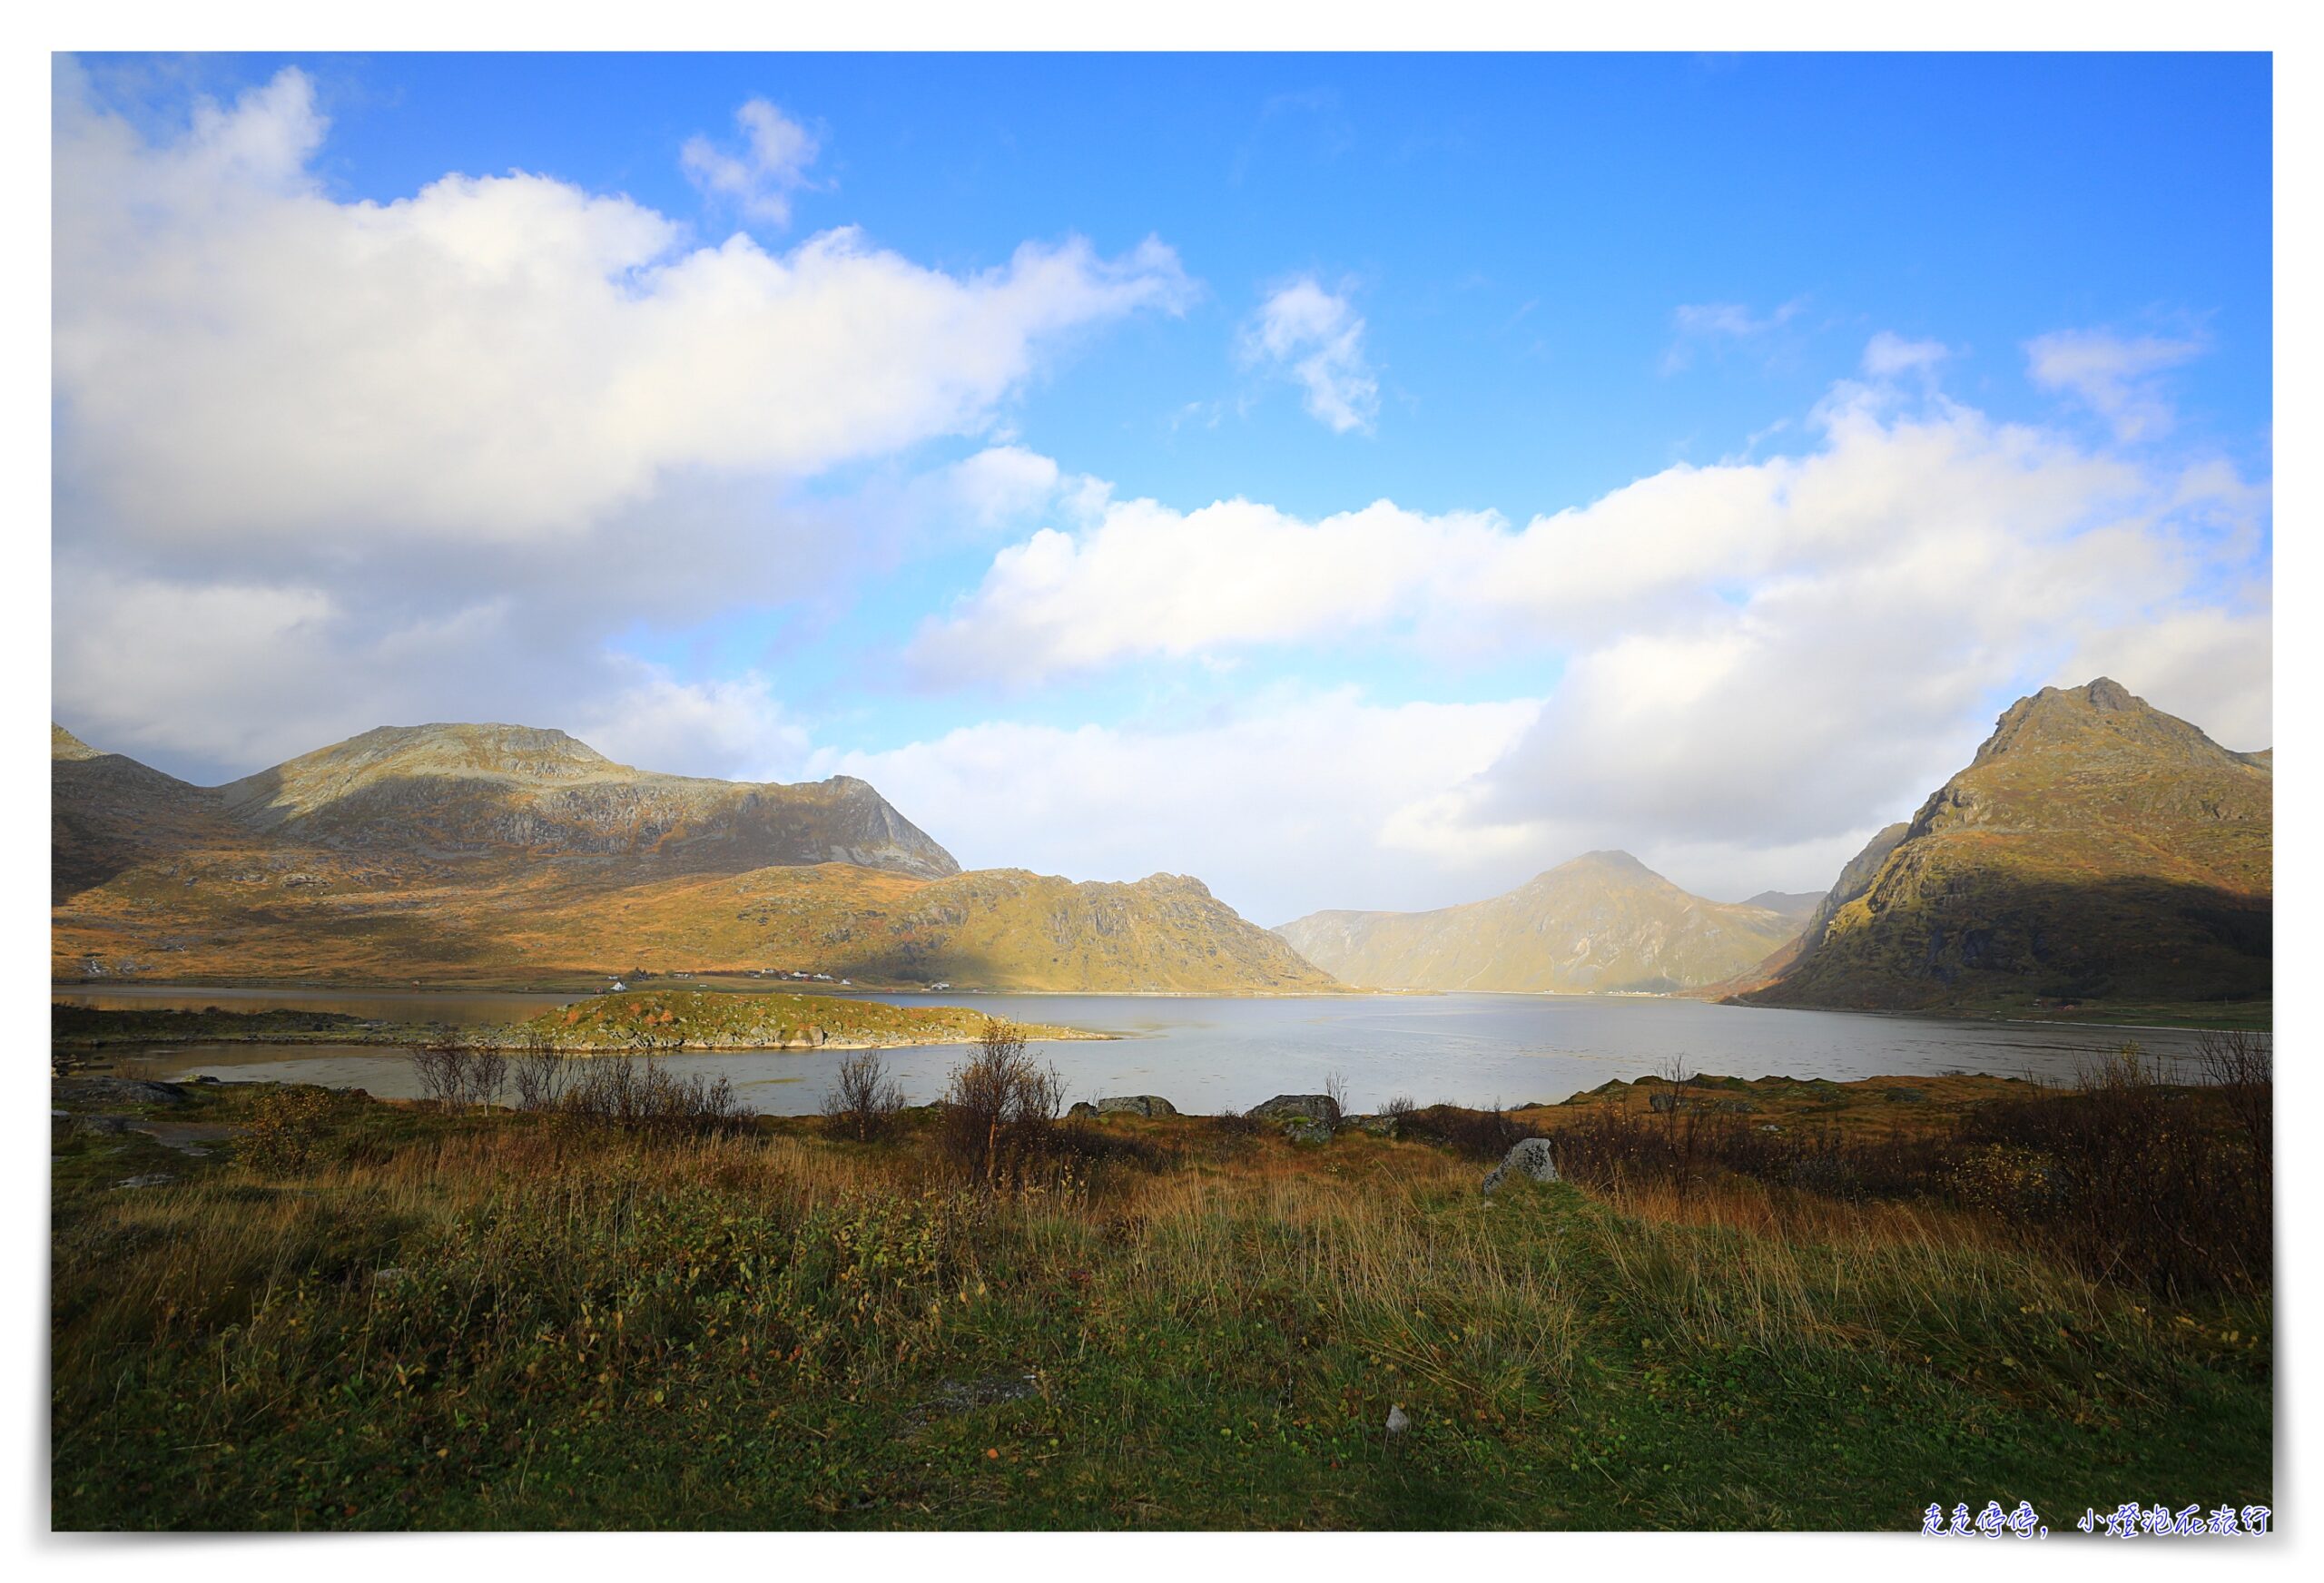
[[286, 1128], [542, 1074], [441, 1068], [864, 1101], [638, 1095], [1001, 1108], [1484, 1134], [2156, 1183]]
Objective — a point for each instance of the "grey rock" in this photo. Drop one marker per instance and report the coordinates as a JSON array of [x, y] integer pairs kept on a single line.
[[1300, 1129], [100, 1124], [1320, 1108], [1530, 1157], [154, 1179], [1398, 1420], [114, 1091], [1148, 1105], [1082, 1110], [1377, 1126]]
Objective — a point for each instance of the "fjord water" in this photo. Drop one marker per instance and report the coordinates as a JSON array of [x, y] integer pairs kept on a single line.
[[1207, 1054]]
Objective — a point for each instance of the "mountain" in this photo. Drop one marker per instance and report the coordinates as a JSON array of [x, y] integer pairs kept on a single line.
[[484, 852], [1603, 921], [488, 788], [1793, 904], [2096, 850], [107, 812]]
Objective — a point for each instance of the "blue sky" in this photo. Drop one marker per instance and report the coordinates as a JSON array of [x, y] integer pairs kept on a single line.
[[1821, 353]]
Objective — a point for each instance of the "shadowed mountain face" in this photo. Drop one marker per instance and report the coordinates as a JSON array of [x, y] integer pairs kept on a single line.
[[2096, 848], [1603, 921], [476, 852], [484, 788], [107, 812]]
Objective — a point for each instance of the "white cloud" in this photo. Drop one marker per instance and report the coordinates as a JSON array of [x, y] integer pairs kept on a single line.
[[239, 356], [1751, 657], [773, 164], [1315, 338], [1697, 324], [1888, 354], [291, 431], [2115, 376], [1293, 801], [734, 728]]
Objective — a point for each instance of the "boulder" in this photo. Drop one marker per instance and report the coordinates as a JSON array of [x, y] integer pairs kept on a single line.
[[1148, 1105], [1530, 1157], [1301, 1129], [1320, 1108], [1082, 1111], [114, 1091]]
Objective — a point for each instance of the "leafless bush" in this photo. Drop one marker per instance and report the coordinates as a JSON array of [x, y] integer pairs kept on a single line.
[[1399, 1108], [440, 1066], [637, 1094], [1000, 1107], [864, 1101], [542, 1073], [2242, 1066], [1335, 1090], [486, 1073]]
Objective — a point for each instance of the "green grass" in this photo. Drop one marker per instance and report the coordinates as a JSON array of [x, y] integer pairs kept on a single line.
[[495, 1321], [717, 1019]]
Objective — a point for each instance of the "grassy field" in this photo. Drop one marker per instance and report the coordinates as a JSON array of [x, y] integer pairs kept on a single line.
[[366, 1315], [644, 1019], [709, 1020]]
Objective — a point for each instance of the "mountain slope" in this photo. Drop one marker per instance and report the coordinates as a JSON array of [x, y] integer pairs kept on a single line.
[[2096, 848], [481, 852], [483, 789], [1603, 921], [107, 812]]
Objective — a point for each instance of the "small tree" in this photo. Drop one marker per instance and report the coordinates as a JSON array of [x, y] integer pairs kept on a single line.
[[487, 1072], [999, 1106], [542, 1074], [440, 1066], [864, 1101]]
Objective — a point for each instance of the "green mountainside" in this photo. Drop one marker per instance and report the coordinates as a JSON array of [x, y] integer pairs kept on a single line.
[[1602, 922], [2096, 850], [480, 852], [498, 788]]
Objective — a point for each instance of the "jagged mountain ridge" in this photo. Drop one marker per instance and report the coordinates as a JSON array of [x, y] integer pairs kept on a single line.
[[475, 850], [481, 788], [2095, 849], [1602, 922]]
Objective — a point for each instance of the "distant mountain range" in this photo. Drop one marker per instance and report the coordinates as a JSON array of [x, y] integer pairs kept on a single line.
[[483, 851], [2096, 850], [1602, 922]]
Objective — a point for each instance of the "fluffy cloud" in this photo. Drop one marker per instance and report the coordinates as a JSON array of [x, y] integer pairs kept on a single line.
[[2116, 377], [237, 355], [772, 164], [1292, 800], [292, 431], [1315, 338], [734, 728], [1752, 657]]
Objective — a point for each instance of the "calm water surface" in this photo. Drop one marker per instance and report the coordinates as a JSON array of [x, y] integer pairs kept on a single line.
[[1206, 1054]]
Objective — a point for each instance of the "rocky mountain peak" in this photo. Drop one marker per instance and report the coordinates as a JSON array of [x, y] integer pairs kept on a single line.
[[64, 745]]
